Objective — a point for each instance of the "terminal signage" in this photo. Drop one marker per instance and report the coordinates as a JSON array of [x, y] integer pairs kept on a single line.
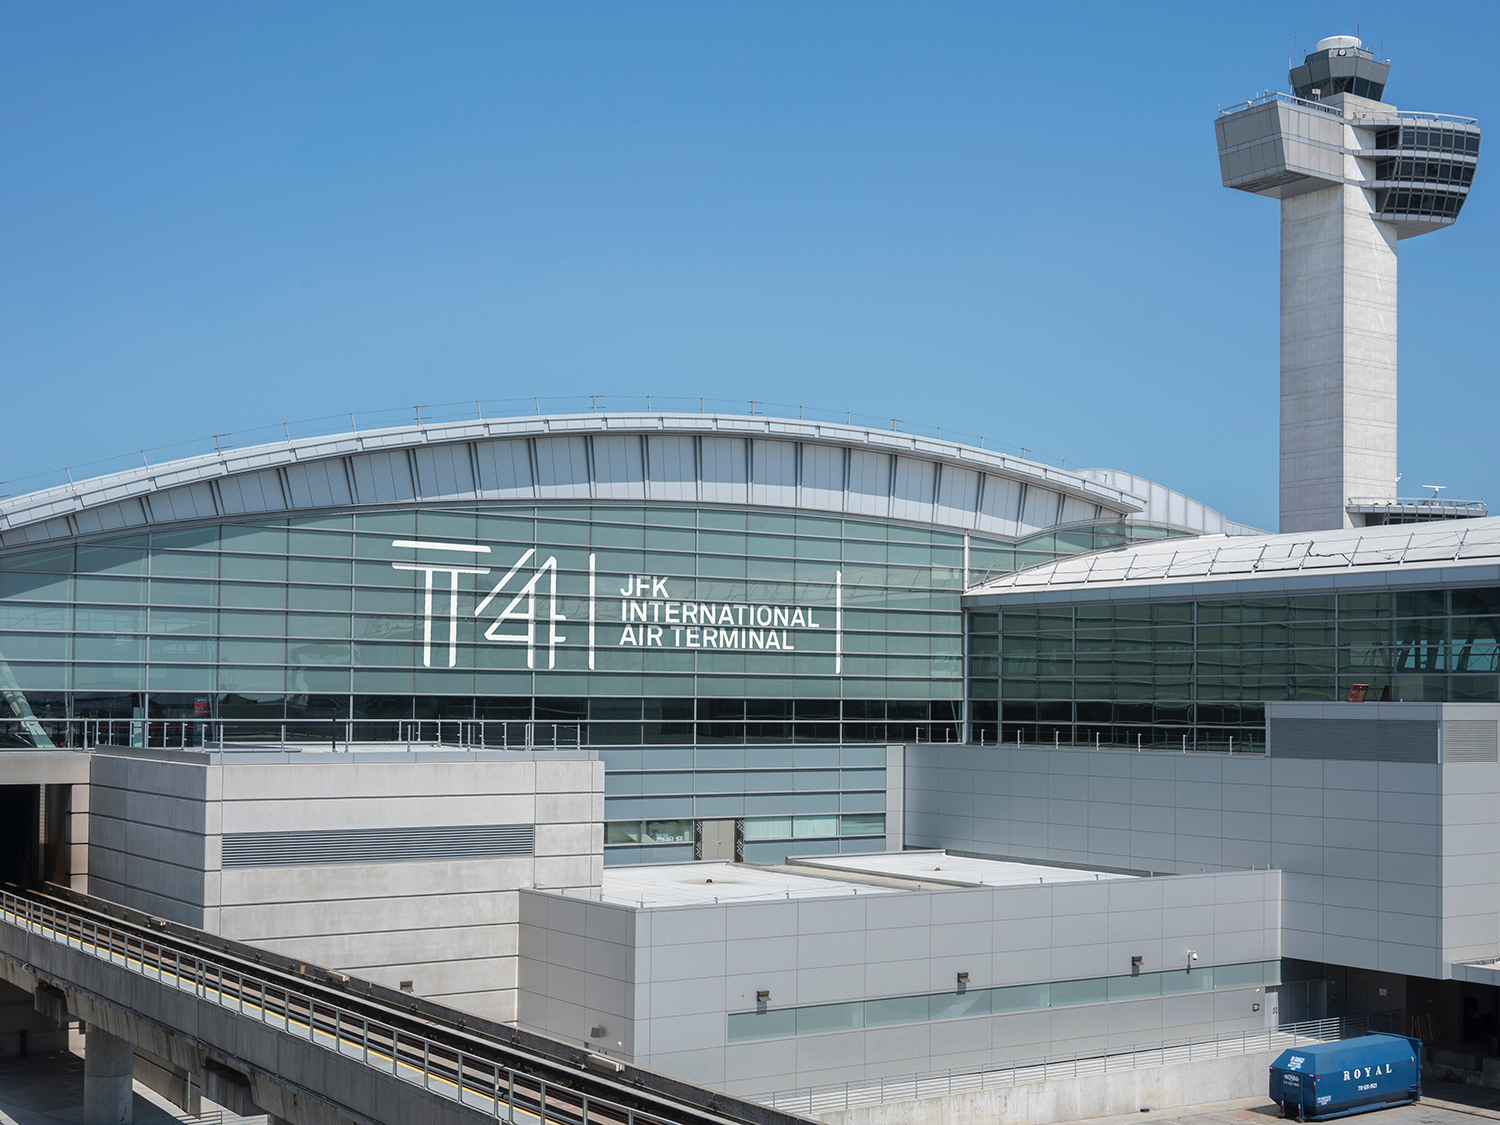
[[523, 607]]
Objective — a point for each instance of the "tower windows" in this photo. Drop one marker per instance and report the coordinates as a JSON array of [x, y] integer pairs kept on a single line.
[[1429, 137]]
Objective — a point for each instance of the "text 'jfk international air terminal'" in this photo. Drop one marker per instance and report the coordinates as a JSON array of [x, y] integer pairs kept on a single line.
[[786, 758]]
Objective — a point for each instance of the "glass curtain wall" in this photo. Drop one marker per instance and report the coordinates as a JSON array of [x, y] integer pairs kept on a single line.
[[614, 625], [1196, 674]]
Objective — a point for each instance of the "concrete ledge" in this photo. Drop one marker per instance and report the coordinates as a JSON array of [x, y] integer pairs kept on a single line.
[[45, 767], [1072, 1099]]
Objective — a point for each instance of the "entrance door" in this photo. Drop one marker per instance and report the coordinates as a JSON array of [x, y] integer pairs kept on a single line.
[[715, 841], [1304, 1000]]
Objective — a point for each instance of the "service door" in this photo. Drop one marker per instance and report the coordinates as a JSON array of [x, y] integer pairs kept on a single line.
[[716, 841]]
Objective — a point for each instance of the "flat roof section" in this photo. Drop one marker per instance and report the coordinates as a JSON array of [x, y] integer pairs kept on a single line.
[[699, 884], [938, 868]]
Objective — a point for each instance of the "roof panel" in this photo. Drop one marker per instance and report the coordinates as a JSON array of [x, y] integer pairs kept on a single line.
[[251, 493], [618, 471], [321, 484], [382, 478], [504, 469], [444, 472], [426, 460], [724, 470], [191, 502], [823, 477], [869, 483], [674, 475], [774, 474], [1366, 551]]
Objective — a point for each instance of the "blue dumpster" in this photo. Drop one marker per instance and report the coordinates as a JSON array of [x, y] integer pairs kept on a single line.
[[1325, 1080]]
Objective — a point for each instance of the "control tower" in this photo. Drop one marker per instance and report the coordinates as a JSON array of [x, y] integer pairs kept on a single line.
[[1354, 175]]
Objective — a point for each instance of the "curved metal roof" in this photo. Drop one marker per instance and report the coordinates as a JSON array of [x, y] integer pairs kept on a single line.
[[1363, 556], [695, 458]]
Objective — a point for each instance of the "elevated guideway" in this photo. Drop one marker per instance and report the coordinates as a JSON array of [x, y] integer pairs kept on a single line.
[[257, 1032]]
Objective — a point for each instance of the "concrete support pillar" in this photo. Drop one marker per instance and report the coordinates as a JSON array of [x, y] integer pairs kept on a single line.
[[108, 1067], [1338, 355]]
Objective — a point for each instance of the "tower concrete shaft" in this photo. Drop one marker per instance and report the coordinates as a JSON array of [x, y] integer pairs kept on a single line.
[[1338, 356], [1354, 176]]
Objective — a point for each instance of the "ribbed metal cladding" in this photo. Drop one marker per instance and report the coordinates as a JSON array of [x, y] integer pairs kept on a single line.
[[1355, 740], [333, 846], [1470, 740]]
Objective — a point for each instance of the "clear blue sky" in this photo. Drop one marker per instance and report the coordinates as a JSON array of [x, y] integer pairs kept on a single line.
[[998, 218]]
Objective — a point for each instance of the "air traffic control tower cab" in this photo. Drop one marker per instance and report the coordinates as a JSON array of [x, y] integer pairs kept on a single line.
[[1354, 176]]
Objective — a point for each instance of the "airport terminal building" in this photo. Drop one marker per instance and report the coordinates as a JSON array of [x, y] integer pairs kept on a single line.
[[451, 707], [740, 613], [773, 753]]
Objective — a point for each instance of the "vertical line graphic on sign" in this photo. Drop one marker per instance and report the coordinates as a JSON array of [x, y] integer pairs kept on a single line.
[[838, 622]]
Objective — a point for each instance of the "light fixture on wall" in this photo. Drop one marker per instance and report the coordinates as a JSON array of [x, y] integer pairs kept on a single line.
[[963, 978], [763, 996], [596, 1033], [1136, 961]]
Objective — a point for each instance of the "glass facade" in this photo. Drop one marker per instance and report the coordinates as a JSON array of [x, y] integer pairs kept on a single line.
[[1344, 84], [1425, 171], [600, 625], [1432, 138], [716, 626], [1196, 674], [1422, 160], [812, 1019], [1422, 204], [727, 662]]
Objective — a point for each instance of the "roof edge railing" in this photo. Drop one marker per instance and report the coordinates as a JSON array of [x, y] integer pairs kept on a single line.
[[1270, 97], [490, 410], [1419, 115], [1417, 502]]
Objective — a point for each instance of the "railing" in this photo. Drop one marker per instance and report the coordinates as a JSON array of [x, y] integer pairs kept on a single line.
[[494, 734], [334, 734], [951, 733], [1205, 740], [491, 409], [228, 735], [1378, 114], [442, 1069], [1420, 115], [1269, 97], [814, 1100], [1477, 506]]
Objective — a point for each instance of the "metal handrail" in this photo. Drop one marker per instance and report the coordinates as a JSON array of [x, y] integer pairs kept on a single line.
[[440, 1068], [814, 1100], [206, 733], [1418, 115], [1417, 502], [132, 464], [1269, 97], [1383, 114]]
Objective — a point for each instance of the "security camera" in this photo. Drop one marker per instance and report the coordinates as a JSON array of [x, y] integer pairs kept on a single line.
[[1192, 955]]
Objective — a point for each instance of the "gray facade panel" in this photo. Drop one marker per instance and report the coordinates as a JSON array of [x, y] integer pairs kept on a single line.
[[1369, 850]]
